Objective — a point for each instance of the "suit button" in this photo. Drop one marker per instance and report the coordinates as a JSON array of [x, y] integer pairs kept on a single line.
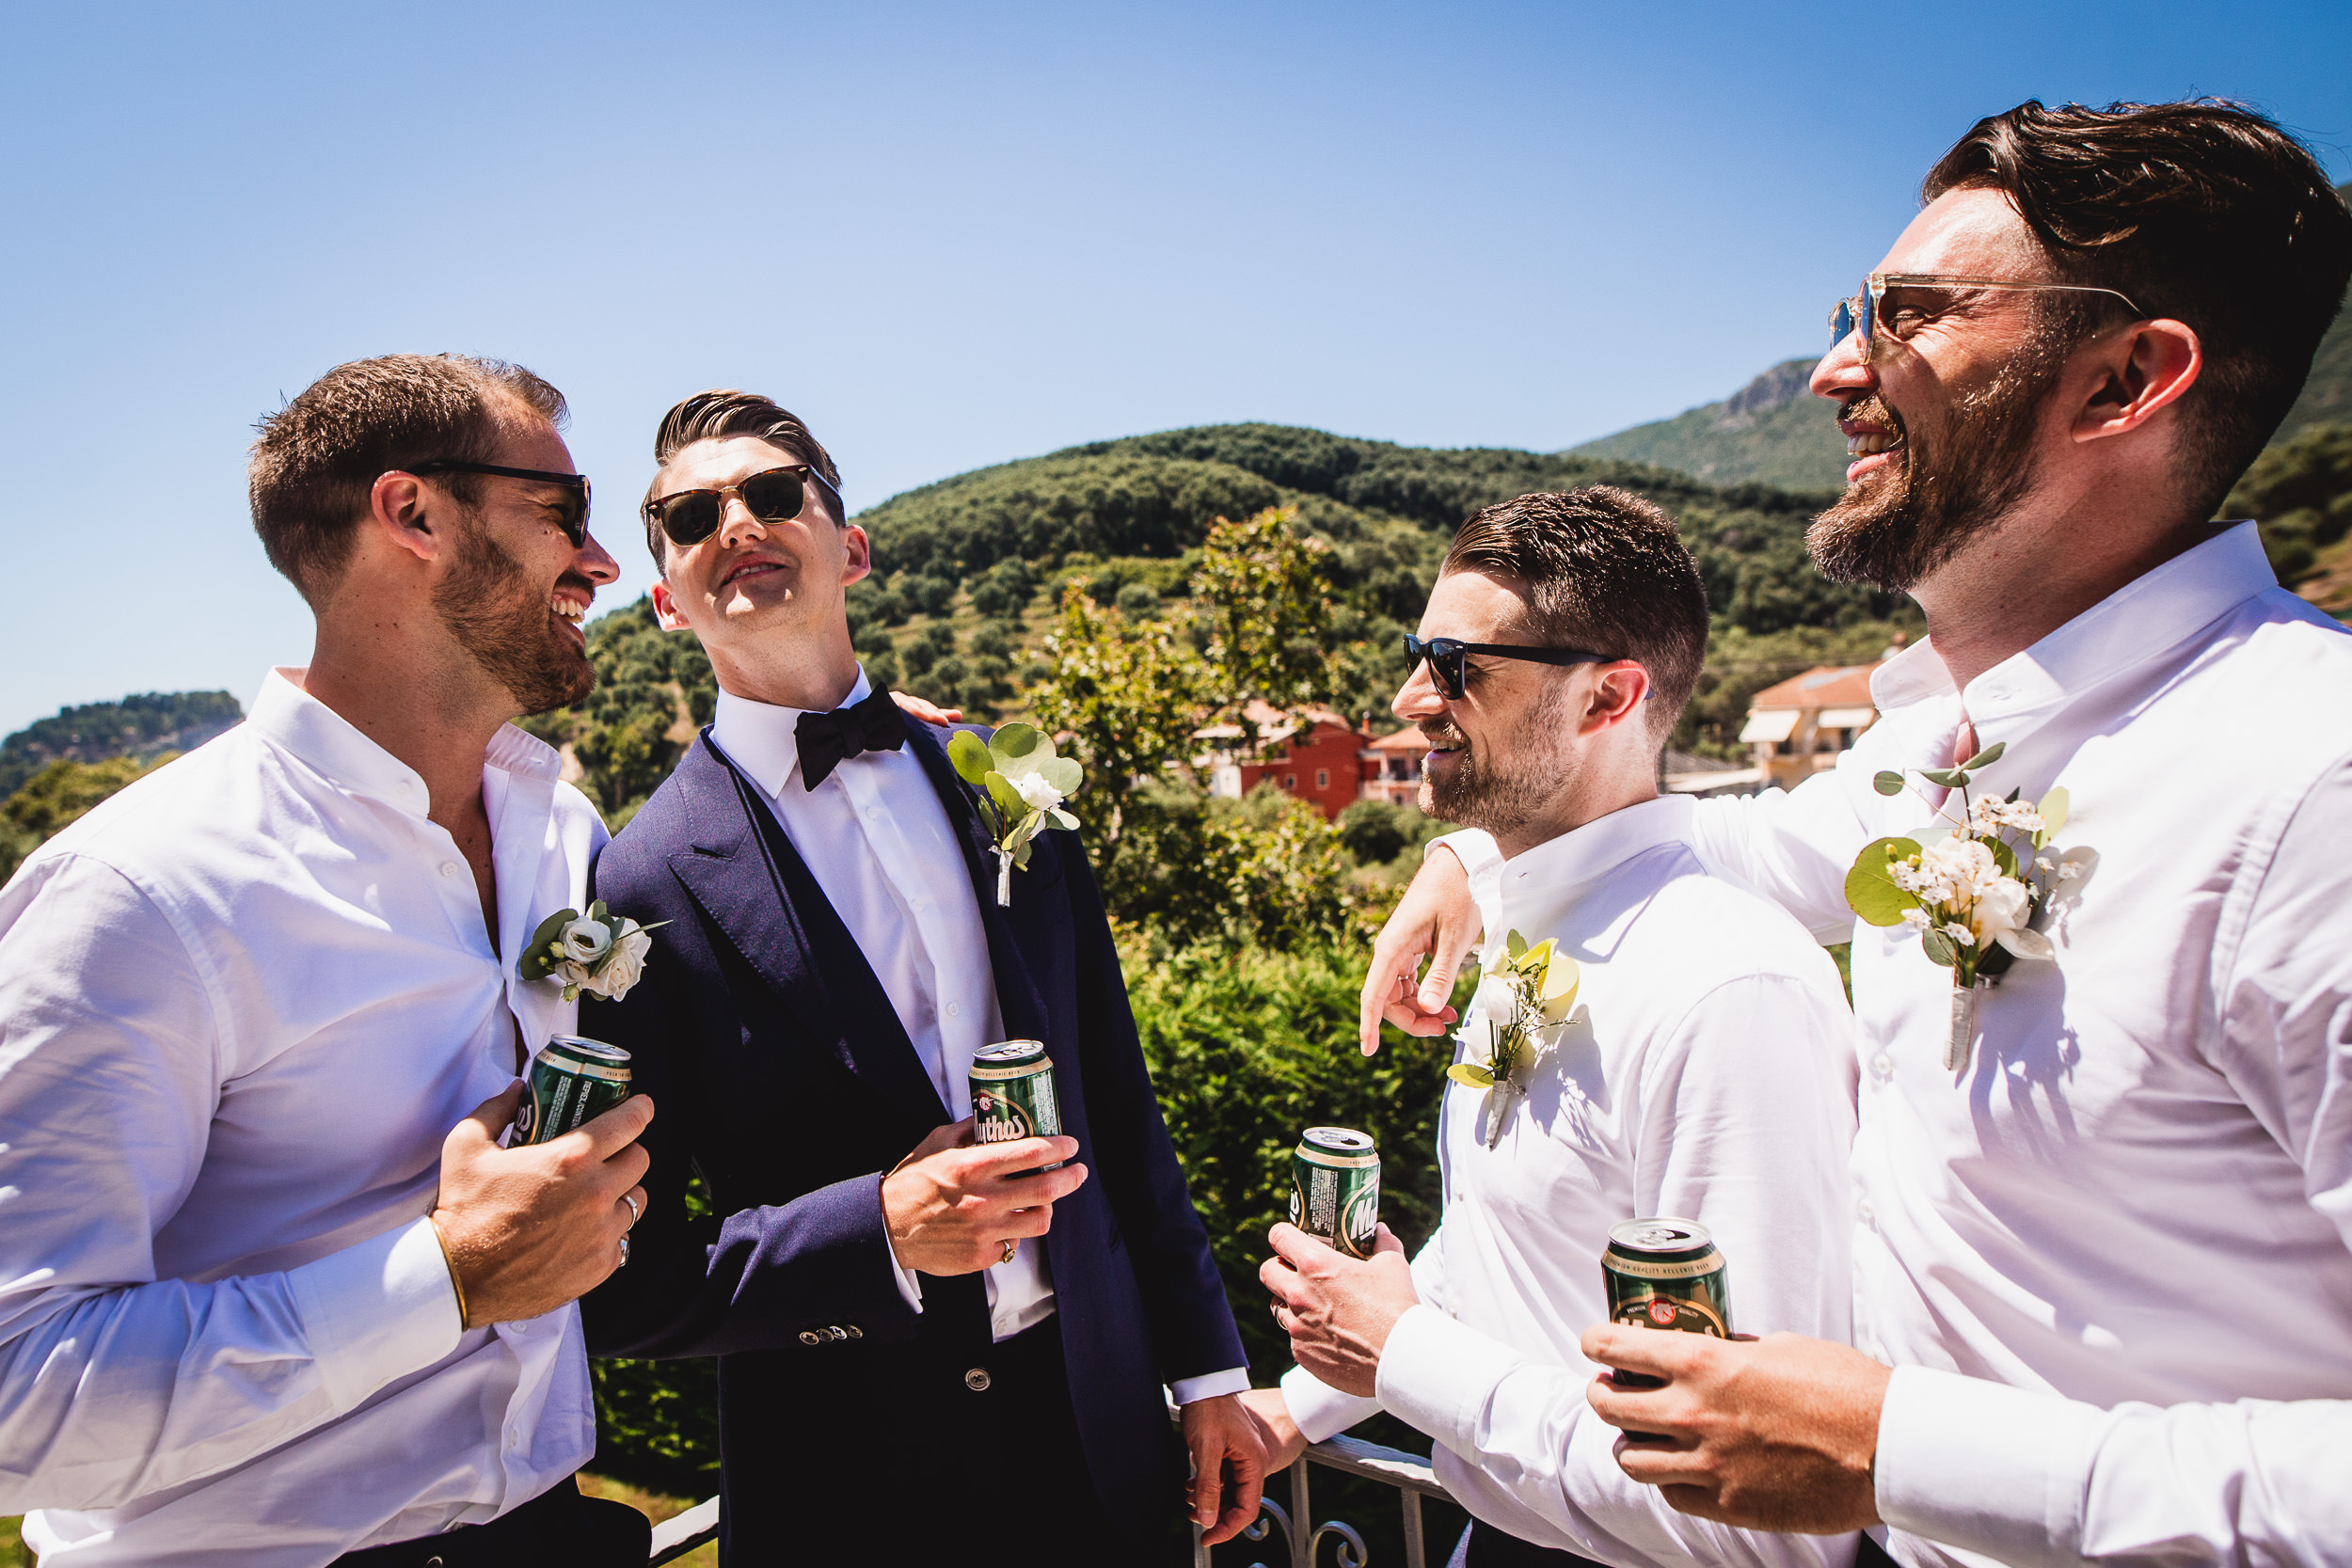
[[810, 1336], [854, 1331], [430, 1561], [977, 1380], [836, 1331]]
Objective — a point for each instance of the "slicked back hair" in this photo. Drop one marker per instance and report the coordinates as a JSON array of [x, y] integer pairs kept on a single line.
[[720, 413], [1604, 571], [2203, 212], [316, 459]]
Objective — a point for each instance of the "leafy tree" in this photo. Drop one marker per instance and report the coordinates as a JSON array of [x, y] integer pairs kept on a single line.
[[1191, 869], [1129, 695], [141, 726], [58, 796], [2300, 491], [1261, 594]]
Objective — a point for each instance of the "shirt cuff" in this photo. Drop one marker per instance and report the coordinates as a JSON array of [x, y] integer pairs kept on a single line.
[[1985, 1467], [1320, 1411], [377, 1311], [1439, 1376], [1209, 1385], [910, 1287]]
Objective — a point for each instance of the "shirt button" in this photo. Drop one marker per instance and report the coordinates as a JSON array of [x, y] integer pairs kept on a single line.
[[953, 1009], [872, 812], [449, 868], [1884, 1065], [1863, 1212], [977, 1380]]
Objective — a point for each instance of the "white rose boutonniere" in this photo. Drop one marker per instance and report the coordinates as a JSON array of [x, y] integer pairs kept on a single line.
[[1021, 784], [1521, 999], [598, 952]]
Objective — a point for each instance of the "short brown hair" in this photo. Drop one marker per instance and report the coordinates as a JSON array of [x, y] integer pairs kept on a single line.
[[718, 414], [317, 458], [1604, 571], [2201, 212]]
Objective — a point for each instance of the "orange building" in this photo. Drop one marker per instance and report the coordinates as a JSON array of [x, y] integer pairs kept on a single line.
[[1319, 761], [1799, 727]]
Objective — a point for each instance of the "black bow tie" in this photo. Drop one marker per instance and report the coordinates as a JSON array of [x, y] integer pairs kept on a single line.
[[827, 738]]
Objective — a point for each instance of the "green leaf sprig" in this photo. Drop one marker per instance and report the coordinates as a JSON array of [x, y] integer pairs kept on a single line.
[[1021, 784]]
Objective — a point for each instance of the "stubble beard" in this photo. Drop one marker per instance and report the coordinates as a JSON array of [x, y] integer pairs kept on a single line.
[[489, 605], [1501, 795], [1949, 484]]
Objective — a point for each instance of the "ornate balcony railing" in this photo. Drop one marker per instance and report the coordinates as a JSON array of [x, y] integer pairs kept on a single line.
[[1409, 1473]]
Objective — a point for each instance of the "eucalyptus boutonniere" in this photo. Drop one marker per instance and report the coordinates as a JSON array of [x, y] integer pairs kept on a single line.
[[1522, 997], [1972, 885], [1021, 784], [597, 952]]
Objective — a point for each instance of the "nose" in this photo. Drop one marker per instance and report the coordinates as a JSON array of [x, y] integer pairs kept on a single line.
[[1841, 373], [1419, 697], [737, 525], [595, 563]]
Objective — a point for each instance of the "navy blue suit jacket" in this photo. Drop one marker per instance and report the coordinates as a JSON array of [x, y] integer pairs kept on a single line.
[[780, 1072]]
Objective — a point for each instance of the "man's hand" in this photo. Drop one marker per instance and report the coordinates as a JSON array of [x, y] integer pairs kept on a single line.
[[1338, 1309], [1283, 1441], [931, 713], [1772, 1434], [528, 1229], [951, 1206], [1438, 920], [1226, 1449]]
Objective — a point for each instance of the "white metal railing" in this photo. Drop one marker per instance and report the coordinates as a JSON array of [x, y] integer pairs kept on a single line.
[[1409, 1473]]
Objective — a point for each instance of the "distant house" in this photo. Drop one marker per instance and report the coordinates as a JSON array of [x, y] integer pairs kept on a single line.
[[1682, 773], [1800, 726], [1319, 760], [1391, 766]]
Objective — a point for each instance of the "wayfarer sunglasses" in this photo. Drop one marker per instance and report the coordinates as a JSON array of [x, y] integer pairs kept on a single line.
[[772, 496], [1449, 659], [573, 517]]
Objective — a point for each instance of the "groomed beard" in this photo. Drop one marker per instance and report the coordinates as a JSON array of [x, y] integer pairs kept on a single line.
[[505, 625], [1895, 528], [1501, 794]]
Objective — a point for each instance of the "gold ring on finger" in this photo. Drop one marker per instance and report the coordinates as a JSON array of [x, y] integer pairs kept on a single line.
[[1011, 1247]]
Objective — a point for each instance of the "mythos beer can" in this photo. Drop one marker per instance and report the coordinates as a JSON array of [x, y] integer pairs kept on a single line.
[[1012, 1095], [571, 1080], [1335, 1188], [1665, 1273]]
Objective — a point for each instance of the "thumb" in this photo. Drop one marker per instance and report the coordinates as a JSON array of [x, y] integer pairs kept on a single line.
[[486, 1121], [1437, 984], [1384, 1240]]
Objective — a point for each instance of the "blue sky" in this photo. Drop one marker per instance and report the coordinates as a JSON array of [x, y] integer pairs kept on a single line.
[[945, 235]]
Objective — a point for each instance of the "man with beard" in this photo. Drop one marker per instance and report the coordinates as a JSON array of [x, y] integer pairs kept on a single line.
[[270, 1293], [1703, 1073], [2104, 1230]]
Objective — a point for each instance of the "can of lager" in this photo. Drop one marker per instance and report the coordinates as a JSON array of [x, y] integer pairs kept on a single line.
[[1335, 1188], [1665, 1273], [571, 1080], [1012, 1095]]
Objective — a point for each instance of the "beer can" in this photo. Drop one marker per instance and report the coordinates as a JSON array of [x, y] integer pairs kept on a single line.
[[1335, 1188], [1665, 1273], [1012, 1095], [572, 1080]]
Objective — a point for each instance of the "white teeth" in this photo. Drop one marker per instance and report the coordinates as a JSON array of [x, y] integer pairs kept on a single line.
[[1864, 444], [568, 609]]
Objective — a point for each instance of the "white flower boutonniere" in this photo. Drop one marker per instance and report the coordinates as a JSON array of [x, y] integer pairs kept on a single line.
[[598, 952], [1521, 998], [1971, 893], [1021, 784]]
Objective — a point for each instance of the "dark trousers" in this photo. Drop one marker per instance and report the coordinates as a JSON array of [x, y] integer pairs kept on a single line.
[[952, 1451], [558, 1528], [1485, 1546]]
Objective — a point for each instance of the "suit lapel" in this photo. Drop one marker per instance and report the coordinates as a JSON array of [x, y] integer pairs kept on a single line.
[[744, 872], [1009, 932]]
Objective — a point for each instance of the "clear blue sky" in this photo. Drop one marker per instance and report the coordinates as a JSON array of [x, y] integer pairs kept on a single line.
[[947, 235]]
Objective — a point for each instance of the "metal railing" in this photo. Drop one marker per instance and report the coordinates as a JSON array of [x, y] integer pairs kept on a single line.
[[1409, 1473]]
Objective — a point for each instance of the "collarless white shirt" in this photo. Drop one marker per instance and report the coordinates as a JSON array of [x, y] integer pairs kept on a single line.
[[878, 840], [241, 1002], [1705, 1071], [2108, 1255]]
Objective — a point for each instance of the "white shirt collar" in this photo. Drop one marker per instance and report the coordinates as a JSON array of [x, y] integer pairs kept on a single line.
[[1602, 845], [336, 749], [762, 739], [2128, 629]]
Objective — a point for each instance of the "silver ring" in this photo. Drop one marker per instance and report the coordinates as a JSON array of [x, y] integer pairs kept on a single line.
[[623, 1262], [635, 1213]]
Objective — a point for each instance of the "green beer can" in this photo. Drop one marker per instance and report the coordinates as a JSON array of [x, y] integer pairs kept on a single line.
[[1665, 1273], [1012, 1095], [572, 1080], [1335, 1188]]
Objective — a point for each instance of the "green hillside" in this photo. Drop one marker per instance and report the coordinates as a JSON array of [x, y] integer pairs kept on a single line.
[[141, 727], [1771, 431]]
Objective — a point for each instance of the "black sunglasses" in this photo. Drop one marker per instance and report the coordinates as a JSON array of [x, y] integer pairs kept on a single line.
[[1449, 659], [772, 496], [572, 519]]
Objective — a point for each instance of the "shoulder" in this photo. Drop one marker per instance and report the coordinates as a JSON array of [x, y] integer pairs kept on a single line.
[[663, 826], [1700, 931], [195, 813]]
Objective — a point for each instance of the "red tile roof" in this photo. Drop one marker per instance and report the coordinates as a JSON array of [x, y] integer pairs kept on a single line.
[[1825, 686]]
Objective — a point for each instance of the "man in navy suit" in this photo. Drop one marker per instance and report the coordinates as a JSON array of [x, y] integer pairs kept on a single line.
[[926, 1347]]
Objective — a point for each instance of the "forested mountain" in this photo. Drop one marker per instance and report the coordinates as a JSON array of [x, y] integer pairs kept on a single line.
[[1771, 431], [141, 727]]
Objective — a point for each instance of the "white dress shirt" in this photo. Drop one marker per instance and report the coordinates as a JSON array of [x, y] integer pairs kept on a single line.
[[878, 840], [2108, 1251], [1705, 1071], [242, 1003]]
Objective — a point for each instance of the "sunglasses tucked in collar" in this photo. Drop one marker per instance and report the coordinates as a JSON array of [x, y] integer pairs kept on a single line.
[[572, 518], [1449, 659]]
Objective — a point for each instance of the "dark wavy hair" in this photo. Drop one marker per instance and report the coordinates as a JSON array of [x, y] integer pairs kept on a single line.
[[2203, 212], [721, 412]]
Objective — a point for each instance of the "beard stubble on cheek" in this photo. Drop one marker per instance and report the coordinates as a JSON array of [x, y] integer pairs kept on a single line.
[[490, 607], [1953, 479], [1501, 794]]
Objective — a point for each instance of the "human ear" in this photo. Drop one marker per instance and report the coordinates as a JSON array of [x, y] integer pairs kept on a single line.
[[397, 507], [858, 562], [1617, 696], [2139, 374], [665, 610]]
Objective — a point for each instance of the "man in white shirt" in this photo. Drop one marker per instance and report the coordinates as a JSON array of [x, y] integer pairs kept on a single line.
[[2104, 1267], [260, 1305], [1705, 1070], [840, 958]]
